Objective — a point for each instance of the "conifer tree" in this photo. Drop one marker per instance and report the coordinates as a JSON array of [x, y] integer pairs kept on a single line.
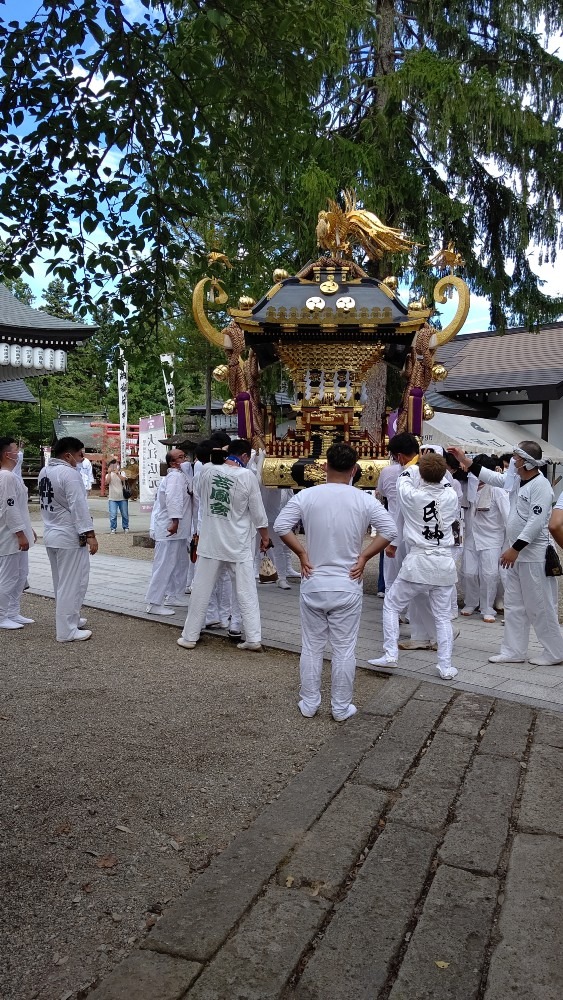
[[445, 119]]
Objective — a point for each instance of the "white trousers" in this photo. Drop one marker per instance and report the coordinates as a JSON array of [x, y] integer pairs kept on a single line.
[[207, 571], [223, 603], [530, 598], [70, 569], [13, 574], [169, 569], [332, 616], [482, 578], [439, 599]]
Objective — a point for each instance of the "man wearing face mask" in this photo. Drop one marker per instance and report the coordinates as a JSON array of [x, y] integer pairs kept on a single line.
[[529, 597], [68, 535], [16, 536]]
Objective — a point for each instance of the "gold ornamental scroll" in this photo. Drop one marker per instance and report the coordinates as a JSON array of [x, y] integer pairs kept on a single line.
[[442, 337], [204, 326]]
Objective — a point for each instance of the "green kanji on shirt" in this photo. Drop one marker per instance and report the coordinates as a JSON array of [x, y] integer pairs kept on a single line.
[[220, 498]]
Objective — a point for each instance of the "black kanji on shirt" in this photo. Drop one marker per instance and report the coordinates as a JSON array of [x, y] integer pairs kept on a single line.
[[46, 494]]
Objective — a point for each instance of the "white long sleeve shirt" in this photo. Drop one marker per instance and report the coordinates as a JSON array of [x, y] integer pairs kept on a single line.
[[64, 508], [173, 500], [529, 515], [336, 518], [230, 511], [429, 511], [14, 514]]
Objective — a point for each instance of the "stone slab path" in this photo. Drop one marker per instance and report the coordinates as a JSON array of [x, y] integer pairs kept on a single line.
[[418, 855], [118, 584]]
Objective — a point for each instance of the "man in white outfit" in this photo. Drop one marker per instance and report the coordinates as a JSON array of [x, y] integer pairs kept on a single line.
[[483, 547], [529, 596], [230, 512], [171, 527], [16, 535], [429, 506], [86, 474], [68, 535], [335, 517]]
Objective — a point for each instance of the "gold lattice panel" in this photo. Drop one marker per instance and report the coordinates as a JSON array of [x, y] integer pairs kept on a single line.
[[354, 358]]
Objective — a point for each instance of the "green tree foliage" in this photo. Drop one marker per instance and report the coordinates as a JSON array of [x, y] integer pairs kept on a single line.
[[444, 118]]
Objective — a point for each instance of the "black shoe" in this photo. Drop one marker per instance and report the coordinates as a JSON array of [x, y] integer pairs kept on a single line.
[[235, 636]]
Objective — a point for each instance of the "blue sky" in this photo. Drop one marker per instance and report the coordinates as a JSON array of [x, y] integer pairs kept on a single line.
[[478, 319]]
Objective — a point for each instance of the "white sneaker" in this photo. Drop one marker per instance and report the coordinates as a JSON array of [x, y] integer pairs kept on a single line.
[[381, 593], [255, 647], [350, 711], [10, 623], [79, 636], [538, 661], [113, 531], [23, 620], [500, 658], [283, 585], [383, 661], [446, 673], [185, 643], [292, 574], [305, 711], [176, 601], [159, 609]]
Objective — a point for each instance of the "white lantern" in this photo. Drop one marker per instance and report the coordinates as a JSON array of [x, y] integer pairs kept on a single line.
[[60, 361], [27, 357], [48, 359], [4, 354], [38, 357], [15, 355]]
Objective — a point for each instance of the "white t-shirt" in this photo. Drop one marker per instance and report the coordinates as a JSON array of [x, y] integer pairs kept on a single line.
[[230, 511], [174, 500], [336, 518], [14, 514], [387, 487], [490, 518], [63, 505]]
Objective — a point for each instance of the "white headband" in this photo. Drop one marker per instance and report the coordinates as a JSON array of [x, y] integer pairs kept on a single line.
[[529, 462]]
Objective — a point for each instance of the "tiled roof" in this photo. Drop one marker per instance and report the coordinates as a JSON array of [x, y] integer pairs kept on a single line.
[[16, 391], [18, 319], [517, 359], [449, 404]]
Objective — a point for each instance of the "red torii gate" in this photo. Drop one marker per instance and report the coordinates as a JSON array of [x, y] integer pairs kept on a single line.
[[110, 437]]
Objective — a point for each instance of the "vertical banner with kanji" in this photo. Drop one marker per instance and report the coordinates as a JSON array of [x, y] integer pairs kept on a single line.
[[122, 387], [151, 454], [167, 362]]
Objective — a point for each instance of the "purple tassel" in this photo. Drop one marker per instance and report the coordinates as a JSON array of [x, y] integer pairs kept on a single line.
[[244, 415], [414, 411]]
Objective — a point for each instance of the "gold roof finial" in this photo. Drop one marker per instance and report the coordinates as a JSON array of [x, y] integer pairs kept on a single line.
[[446, 259], [338, 230]]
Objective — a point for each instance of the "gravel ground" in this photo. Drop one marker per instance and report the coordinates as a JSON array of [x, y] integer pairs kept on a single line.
[[126, 765]]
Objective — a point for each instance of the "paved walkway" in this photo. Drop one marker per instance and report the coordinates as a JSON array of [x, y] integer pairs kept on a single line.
[[119, 585], [417, 855]]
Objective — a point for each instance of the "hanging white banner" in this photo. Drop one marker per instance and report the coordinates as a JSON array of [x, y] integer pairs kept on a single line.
[[151, 454], [122, 388], [167, 362]]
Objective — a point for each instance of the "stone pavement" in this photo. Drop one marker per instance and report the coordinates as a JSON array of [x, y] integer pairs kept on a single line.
[[118, 584], [418, 855]]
